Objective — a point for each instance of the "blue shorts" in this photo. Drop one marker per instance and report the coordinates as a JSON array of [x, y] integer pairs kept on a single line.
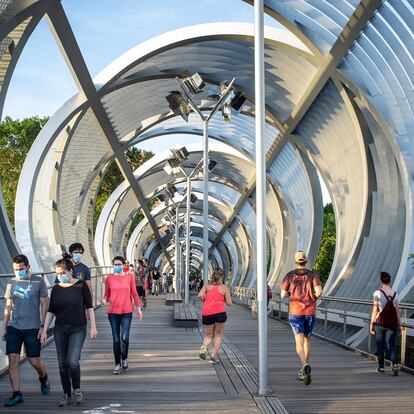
[[16, 337], [302, 324]]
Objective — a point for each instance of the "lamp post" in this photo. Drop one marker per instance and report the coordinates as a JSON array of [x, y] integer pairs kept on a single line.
[[180, 104]]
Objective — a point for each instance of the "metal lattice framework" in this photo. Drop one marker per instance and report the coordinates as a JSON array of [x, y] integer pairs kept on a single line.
[[339, 101]]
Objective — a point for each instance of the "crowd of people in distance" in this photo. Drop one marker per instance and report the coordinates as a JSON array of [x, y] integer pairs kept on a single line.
[[30, 310]]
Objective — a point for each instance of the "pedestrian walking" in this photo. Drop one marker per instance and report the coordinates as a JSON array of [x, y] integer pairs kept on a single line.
[[304, 288], [24, 315], [156, 280], [214, 295], [121, 293], [69, 300], [140, 280], [385, 322]]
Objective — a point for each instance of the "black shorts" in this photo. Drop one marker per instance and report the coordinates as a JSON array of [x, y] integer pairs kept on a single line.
[[141, 291], [216, 318], [16, 337]]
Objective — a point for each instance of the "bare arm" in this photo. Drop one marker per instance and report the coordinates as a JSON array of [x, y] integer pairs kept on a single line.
[[47, 322], [91, 314], [44, 305], [318, 291], [202, 293], [228, 297], [7, 312], [284, 294], [374, 314]]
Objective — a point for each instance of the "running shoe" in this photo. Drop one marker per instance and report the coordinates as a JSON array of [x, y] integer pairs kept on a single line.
[[306, 370], [214, 361], [380, 369], [124, 364], [203, 352], [14, 400], [78, 398], [300, 376], [44, 385], [395, 370], [117, 369], [65, 401]]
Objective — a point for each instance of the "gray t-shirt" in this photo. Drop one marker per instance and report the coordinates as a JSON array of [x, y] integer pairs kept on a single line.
[[26, 295]]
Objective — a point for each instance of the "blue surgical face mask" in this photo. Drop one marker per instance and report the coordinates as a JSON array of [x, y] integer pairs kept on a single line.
[[20, 274], [63, 278], [118, 269], [77, 257]]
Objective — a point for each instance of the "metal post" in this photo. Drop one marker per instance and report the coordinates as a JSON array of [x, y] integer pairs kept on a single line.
[[177, 243], [261, 249], [205, 202], [187, 243]]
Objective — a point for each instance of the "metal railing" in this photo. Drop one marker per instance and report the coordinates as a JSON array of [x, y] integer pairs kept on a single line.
[[344, 321], [98, 275]]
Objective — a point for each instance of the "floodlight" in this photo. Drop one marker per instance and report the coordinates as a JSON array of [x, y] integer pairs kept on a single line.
[[211, 165], [172, 166], [161, 197], [226, 112], [194, 83], [178, 104], [237, 102], [180, 154], [193, 198], [171, 190]]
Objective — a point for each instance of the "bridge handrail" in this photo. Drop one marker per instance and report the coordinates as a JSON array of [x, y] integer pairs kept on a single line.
[[322, 307]]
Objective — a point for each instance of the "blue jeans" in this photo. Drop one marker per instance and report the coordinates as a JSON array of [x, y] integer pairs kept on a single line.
[[69, 340], [385, 335], [120, 325]]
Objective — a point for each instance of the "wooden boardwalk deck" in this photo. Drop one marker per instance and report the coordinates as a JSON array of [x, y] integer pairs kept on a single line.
[[166, 375], [342, 382]]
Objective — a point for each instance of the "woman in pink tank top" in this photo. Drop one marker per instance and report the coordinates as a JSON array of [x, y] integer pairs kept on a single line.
[[214, 295]]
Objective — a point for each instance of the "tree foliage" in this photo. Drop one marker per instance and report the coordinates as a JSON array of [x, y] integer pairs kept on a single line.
[[16, 138], [326, 253]]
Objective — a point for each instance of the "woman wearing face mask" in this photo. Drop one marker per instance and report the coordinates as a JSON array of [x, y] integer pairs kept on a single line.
[[68, 300], [121, 293]]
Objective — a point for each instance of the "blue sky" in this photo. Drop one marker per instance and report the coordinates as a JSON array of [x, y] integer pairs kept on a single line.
[[105, 29]]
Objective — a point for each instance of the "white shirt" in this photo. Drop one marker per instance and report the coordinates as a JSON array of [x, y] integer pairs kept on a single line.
[[379, 298]]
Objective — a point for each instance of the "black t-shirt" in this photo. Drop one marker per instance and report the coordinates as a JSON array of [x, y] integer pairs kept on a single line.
[[156, 276], [68, 304]]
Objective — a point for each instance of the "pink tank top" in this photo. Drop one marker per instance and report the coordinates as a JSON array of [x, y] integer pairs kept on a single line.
[[214, 302]]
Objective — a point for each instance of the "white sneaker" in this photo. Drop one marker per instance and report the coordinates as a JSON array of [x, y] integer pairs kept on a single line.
[[125, 364], [117, 369]]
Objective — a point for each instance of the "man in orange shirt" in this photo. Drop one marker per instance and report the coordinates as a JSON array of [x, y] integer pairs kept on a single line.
[[304, 288]]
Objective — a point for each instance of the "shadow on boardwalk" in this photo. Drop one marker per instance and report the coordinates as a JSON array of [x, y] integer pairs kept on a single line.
[[341, 381], [166, 375]]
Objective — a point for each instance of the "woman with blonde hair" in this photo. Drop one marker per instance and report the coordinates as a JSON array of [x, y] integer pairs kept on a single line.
[[214, 295]]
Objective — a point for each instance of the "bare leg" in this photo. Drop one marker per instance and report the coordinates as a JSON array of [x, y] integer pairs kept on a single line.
[[14, 373], [38, 365], [306, 348], [218, 333], [209, 333], [299, 339]]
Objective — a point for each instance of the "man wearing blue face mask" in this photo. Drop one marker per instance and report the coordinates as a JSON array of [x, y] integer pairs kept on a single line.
[[26, 295], [81, 271]]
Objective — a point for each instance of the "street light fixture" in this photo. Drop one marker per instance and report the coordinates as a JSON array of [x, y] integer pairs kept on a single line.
[[228, 100]]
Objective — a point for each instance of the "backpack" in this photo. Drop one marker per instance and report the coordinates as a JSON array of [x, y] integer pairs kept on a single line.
[[388, 316]]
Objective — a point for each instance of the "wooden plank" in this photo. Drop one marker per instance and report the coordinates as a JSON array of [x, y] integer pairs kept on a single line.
[[341, 381], [165, 373]]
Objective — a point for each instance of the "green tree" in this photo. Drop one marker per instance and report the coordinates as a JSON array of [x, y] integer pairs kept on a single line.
[[16, 138], [326, 253], [113, 178]]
